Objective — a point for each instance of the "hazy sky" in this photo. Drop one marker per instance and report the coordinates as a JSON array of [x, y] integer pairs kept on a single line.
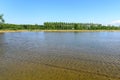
[[39, 11]]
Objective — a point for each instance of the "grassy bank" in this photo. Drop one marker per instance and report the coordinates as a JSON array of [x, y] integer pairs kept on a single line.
[[4, 31]]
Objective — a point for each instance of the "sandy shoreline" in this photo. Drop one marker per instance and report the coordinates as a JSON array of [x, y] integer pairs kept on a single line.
[[4, 31]]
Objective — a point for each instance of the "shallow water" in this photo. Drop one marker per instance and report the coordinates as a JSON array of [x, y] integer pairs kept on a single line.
[[60, 56]]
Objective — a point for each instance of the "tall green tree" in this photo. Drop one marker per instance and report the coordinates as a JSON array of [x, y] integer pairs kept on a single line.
[[1, 18]]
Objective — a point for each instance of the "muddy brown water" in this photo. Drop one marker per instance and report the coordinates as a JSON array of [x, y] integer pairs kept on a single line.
[[60, 56]]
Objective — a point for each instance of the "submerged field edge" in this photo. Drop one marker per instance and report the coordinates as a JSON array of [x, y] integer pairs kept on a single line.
[[4, 31]]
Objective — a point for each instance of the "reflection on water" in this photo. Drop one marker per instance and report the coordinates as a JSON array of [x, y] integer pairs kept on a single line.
[[58, 53]]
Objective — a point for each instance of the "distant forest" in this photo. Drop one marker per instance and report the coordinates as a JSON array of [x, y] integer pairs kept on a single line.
[[58, 26]]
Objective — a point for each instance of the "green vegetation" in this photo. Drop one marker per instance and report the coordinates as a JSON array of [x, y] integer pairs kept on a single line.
[[20, 27], [77, 26], [56, 26], [1, 19]]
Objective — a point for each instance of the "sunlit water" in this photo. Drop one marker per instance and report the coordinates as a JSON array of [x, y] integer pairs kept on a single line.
[[58, 55]]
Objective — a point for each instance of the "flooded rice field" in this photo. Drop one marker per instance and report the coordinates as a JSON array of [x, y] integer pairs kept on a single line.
[[60, 56]]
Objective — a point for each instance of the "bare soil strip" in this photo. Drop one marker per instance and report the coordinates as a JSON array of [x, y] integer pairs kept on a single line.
[[4, 31]]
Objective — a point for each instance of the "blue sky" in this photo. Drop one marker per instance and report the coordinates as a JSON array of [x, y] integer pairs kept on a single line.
[[39, 11]]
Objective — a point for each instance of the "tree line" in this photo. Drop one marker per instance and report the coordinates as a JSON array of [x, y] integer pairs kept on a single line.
[[78, 26], [55, 26]]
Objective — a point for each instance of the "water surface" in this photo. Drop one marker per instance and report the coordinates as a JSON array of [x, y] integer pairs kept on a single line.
[[60, 56]]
